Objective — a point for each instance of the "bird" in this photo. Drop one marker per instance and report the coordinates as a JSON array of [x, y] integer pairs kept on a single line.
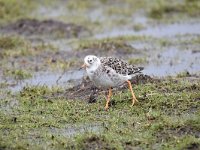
[[110, 72]]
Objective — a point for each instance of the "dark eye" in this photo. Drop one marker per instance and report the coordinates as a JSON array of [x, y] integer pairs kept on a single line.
[[90, 60]]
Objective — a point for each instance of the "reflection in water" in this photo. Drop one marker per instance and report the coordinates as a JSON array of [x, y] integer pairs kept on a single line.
[[173, 61], [73, 130], [50, 79], [158, 31], [169, 62]]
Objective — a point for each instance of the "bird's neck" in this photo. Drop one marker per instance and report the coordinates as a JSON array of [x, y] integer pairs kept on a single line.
[[91, 70]]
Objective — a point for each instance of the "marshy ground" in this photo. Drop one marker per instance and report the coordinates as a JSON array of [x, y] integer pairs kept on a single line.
[[46, 102]]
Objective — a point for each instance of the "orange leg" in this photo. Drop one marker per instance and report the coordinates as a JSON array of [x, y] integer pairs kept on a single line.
[[108, 98], [133, 95]]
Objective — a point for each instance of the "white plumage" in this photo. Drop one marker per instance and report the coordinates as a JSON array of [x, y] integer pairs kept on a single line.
[[108, 72]]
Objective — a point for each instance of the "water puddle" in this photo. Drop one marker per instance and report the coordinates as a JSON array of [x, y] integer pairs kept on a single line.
[[66, 80], [50, 12], [157, 31], [73, 130], [69, 131], [173, 61]]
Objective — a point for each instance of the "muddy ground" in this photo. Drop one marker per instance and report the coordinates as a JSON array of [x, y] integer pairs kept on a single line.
[[48, 102]]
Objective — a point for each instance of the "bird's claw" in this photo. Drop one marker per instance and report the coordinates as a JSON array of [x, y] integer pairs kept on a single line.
[[133, 103], [106, 107]]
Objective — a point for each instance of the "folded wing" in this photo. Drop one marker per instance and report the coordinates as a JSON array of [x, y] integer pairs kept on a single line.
[[120, 66]]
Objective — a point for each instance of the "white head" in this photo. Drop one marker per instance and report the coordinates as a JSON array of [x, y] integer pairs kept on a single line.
[[91, 63]]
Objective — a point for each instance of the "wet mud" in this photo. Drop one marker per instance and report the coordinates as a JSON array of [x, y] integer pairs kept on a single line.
[[47, 28], [88, 92]]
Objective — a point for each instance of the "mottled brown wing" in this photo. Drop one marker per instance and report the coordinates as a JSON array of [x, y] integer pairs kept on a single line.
[[120, 66]]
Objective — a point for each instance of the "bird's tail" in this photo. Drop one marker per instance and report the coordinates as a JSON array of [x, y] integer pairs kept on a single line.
[[136, 72]]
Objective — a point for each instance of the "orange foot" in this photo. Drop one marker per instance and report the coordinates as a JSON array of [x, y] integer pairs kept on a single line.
[[133, 95], [108, 99]]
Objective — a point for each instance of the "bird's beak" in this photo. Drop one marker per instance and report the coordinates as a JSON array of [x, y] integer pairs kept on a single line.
[[83, 66]]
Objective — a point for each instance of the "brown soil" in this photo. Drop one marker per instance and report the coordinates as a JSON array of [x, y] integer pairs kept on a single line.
[[108, 48], [29, 27], [87, 91], [95, 142], [179, 131], [193, 146]]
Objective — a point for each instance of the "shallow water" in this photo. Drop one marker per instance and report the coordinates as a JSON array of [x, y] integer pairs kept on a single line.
[[173, 61], [73, 130], [170, 61], [161, 63], [156, 31], [51, 79], [51, 12]]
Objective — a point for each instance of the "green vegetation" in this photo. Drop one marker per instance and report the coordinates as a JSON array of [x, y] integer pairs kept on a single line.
[[3, 85], [193, 40], [12, 9], [108, 46], [138, 27], [167, 113], [13, 46], [168, 8], [64, 64], [10, 42], [16, 51], [82, 6], [18, 74], [183, 74], [135, 61], [107, 43]]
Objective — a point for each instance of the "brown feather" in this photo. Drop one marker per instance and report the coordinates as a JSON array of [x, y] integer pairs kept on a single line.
[[120, 66]]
